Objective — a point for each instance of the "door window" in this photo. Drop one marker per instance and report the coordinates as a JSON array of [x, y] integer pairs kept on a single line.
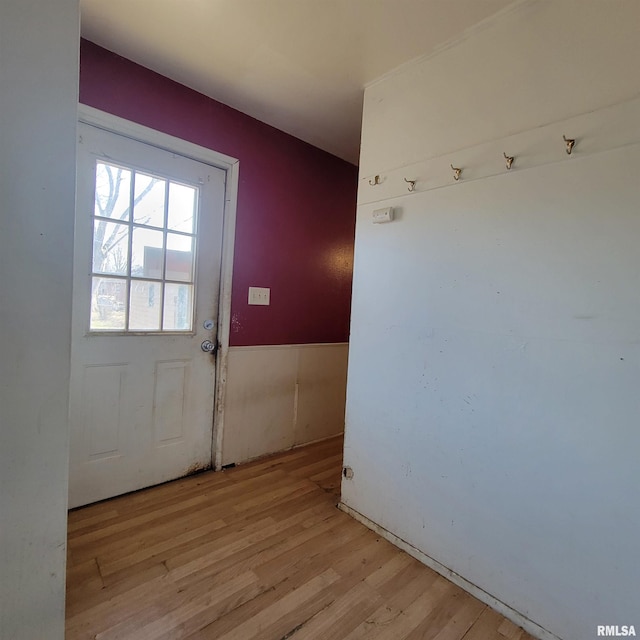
[[143, 252]]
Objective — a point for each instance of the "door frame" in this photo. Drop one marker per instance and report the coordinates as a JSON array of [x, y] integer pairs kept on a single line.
[[231, 167]]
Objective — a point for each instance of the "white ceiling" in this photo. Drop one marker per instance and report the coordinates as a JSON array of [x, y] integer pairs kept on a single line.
[[298, 65]]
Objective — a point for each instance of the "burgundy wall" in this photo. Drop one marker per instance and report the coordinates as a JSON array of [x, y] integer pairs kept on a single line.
[[296, 204]]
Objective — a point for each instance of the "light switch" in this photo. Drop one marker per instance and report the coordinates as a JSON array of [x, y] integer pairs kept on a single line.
[[259, 295]]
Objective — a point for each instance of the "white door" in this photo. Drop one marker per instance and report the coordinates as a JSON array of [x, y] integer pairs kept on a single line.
[[147, 260]]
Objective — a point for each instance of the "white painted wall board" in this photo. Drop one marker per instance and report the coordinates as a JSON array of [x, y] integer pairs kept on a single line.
[[542, 62], [259, 405], [494, 357], [492, 403], [322, 386], [281, 396], [39, 44]]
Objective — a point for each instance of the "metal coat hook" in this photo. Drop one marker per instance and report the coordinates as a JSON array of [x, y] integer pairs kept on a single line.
[[456, 172], [509, 160], [376, 180], [412, 184], [570, 142]]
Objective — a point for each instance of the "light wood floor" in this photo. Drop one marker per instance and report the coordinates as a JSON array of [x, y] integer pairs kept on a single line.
[[258, 552]]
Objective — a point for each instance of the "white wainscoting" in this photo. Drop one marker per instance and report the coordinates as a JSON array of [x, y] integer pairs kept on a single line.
[[281, 396]]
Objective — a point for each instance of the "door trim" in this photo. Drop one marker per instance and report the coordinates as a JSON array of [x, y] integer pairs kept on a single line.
[[231, 166]]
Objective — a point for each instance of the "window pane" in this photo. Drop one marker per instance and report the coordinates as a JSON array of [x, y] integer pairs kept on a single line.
[[178, 307], [110, 247], [148, 200], [130, 261], [179, 258], [113, 190], [147, 253], [182, 201], [144, 305], [108, 298]]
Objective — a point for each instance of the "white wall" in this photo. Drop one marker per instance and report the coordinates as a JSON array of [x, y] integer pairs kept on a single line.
[[492, 401], [281, 396], [39, 43]]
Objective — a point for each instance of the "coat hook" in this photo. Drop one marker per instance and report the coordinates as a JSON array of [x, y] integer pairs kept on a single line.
[[376, 180], [509, 160], [412, 184], [570, 142], [456, 172]]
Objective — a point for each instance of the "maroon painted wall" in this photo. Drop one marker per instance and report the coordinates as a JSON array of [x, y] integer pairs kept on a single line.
[[296, 204]]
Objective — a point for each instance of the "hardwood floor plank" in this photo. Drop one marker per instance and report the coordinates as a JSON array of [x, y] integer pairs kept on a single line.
[[510, 631], [140, 502], [256, 552], [451, 619], [486, 626], [352, 590], [341, 616], [261, 626], [297, 529], [387, 571], [85, 578], [165, 535], [208, 615], [386, 616], [162, 618], [299, 570], [81, 602], [223, 553], [312, 468], [116, 559]]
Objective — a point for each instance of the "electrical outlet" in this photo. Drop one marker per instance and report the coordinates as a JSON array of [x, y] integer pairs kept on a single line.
[[260, 295]]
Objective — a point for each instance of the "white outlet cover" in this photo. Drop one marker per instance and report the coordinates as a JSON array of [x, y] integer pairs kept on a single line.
[[260, 296]]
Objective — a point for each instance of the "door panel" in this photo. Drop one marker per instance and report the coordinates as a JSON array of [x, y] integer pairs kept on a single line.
[[146, 278], [102, 401]]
